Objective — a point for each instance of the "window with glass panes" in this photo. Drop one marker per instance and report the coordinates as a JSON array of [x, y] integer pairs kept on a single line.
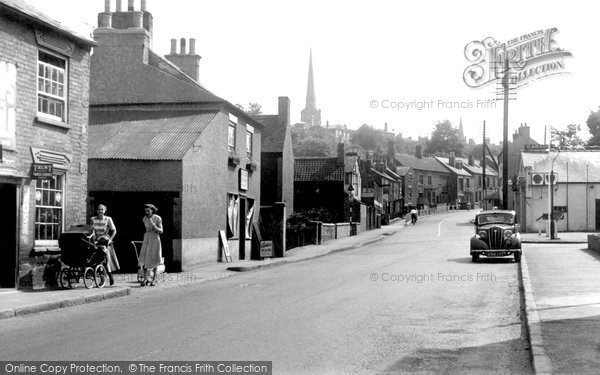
[[52, 86], [231, 137], [49, 208], [249, 144]]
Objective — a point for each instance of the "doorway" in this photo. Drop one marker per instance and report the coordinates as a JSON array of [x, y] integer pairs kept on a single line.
[[8, 235], [597, 214]]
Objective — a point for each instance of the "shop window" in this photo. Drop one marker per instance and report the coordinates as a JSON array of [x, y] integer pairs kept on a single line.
[[52, 87], [233, 216], [49, 206]]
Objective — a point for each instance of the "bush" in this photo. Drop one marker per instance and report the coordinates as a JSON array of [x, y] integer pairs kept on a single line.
[[306, 215]]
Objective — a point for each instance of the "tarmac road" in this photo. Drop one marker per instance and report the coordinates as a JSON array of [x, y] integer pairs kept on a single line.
[[411, 303]]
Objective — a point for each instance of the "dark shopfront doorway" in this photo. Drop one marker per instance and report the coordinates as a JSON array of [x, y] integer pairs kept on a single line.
[[127, 211], [8, 235]]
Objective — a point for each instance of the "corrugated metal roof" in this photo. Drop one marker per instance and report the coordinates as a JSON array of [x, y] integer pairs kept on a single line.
[[583, 166], [318, 169], [150, 139], [26, 9]]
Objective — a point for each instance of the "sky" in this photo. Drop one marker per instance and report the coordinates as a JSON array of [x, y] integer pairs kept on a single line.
[[367, 56]]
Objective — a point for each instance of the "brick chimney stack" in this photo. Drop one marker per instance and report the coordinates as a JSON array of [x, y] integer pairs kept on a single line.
[[124, 33], [341, 156], [189, 63], [419, 151], [452, 160], [283, 113]]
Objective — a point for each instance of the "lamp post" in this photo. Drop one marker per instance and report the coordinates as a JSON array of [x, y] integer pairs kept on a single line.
[[351, 199]]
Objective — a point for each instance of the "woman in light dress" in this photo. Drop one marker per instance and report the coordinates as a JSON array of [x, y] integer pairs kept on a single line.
[[151, 253], [104, 232]]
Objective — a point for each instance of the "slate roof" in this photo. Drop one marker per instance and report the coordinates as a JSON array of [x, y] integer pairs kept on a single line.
[[422, 164], [402, 171], [273, 134], [318, 170], [445, 162], [583, 166], [25, 10], [166, 138]]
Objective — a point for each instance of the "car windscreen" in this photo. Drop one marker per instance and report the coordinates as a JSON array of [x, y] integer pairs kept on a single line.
[[495, 218]]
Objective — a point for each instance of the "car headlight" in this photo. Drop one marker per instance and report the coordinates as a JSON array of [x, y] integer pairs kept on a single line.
[[508, 233], [482, 233]]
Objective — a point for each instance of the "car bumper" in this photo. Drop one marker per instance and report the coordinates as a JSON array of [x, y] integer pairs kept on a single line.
[[481, 247]]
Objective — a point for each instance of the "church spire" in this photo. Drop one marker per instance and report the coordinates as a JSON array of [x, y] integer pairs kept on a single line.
[[310, 114], [461, 132]]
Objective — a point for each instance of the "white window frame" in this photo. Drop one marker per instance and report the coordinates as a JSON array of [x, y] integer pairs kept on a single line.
[[249, 140], [51, 242], [231, 136], [50, 95]]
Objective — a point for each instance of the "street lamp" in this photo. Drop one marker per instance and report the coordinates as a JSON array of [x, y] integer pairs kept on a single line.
[[351, 199], [552, 153]]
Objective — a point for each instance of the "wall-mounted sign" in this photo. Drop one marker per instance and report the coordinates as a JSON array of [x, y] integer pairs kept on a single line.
[[536, 147], [243, 179], [367, 192], [42, 171]]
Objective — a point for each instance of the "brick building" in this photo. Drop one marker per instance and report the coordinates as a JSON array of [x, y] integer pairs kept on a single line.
[[44, 88], [157, 135]]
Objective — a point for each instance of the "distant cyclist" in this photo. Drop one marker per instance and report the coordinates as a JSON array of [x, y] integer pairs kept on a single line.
[[413, 215]]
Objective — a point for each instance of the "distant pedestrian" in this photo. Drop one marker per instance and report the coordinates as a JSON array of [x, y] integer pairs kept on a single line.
[[104, 232], [151, 253], [413, 215]]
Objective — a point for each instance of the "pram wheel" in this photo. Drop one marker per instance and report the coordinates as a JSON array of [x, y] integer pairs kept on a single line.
[[89, 278], [100, 275], [64, 278]]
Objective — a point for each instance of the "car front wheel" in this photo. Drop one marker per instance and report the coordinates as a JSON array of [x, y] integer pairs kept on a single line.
[[475, 258], [518, 257]]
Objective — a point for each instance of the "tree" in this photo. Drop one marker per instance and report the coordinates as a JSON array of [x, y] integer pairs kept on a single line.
[[314, 141], [368, 138], [567, 138], [445, 139], [254, 109], [593, 123]]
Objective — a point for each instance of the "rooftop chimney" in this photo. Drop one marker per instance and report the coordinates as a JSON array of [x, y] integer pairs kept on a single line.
[[471, 160], [189, 63], [419, 151], [283, 113], [452, 160], [105, 18], [340, 154]]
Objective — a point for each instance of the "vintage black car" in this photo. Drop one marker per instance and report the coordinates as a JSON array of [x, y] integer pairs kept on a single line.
[[496, 235]]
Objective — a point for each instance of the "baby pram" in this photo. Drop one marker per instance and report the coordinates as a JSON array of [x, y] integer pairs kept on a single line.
[[83, 260]]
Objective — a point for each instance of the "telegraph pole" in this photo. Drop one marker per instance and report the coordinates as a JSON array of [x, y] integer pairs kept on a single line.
[[505, 138], [483, 167]]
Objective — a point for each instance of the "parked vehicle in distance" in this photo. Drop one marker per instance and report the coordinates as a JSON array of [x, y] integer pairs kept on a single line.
[[497, 234]]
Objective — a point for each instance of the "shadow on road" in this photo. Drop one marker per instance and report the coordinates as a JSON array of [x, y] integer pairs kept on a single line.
[[497, 357]]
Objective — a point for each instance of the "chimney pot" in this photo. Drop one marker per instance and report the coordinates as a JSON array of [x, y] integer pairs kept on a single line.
[[105, 19], [341, 153], [143, 6], [192, 46], [182, 46], [119, 7], [137, 20], [130, 5], [173, 46], [107, 6]]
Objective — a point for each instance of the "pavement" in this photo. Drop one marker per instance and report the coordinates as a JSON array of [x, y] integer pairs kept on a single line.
[[18, 303]]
